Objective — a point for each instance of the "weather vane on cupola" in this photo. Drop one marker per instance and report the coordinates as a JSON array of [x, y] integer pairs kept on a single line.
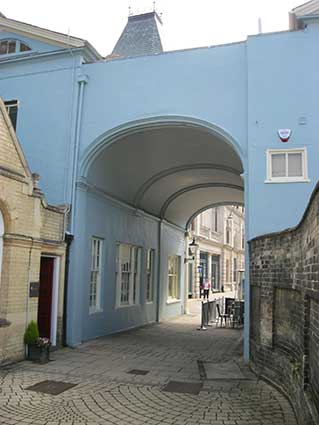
[[139, 11]]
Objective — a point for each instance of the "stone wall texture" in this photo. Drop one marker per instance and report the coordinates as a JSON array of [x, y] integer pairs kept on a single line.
[[31, 229], [284, 331]]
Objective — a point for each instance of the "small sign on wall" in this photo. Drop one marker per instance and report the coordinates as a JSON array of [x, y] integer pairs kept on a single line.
[[34, 289]]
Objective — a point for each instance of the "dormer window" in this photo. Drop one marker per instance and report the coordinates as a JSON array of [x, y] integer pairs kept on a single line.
[[12, 46]]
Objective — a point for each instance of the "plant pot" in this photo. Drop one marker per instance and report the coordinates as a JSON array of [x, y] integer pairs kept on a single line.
[[38, 354]]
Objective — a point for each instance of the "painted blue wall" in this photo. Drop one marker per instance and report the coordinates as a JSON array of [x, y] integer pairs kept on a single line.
[[46, 89], [125, 90], [248, 89], [99, 217], [283, 86]]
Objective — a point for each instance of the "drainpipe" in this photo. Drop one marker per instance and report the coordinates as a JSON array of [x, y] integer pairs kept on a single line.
[[28, 289], [159, 270], [82, 80], [68, 240], [247, 284], [186, 273]]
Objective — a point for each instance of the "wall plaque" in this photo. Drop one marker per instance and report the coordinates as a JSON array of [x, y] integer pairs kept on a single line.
[[34, 289]]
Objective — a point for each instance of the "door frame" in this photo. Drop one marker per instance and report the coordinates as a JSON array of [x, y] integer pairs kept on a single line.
[[55, 296]]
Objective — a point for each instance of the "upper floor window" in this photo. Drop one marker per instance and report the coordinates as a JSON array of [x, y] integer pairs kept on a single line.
[[229, 223], [12, 109], [12, 46], [215, 215], [287, 165], [235, 269], [242, 237]]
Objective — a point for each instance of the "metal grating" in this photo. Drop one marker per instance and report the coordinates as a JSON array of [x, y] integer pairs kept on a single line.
[[51, 387]]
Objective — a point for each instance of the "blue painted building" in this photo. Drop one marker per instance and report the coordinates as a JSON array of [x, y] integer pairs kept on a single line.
[[137, 145]]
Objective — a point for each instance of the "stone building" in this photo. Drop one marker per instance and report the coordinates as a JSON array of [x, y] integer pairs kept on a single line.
[[32, 251], [220, 256]]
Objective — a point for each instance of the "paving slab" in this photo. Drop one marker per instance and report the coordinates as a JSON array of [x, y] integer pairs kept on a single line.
[[224, 371], [101, 391]]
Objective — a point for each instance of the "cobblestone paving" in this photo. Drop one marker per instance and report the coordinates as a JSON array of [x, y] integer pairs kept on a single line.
[[106, 394]]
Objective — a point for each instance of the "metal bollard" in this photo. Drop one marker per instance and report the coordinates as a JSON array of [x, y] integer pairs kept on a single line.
[[202, 326]]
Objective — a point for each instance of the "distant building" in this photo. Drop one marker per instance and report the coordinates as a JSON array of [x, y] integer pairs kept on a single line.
[[220, 234]]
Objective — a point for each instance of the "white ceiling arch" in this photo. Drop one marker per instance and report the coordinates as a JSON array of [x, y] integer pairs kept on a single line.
[[168, 169]]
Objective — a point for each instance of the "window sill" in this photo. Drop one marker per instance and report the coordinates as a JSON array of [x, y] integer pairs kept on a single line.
[[173, 301], [149, 302], [16, 55], [95, 311], [126, 306], [287, 181]]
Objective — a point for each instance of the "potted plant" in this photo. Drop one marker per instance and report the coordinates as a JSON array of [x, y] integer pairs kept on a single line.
[[38, 348]]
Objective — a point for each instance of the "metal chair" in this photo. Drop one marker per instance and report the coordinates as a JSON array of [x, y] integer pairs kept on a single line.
[[222, 316]]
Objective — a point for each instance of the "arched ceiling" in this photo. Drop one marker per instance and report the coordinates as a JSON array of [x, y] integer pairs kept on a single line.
[[170, 172]]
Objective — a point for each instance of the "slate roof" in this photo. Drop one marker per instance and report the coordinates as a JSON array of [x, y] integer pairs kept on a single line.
[[307, 9], [2, 15], [140, 36]]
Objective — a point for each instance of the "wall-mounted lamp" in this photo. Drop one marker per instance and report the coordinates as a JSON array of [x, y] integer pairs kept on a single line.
[[193, 246], [191, 251]]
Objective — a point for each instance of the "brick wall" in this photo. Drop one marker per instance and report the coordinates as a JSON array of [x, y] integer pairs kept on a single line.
[[31, 228], [284, 331]]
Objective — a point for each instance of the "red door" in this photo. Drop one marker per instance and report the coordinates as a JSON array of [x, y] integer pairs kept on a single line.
[[45, 296]]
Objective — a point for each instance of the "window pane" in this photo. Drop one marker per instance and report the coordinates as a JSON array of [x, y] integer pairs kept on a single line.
[[125, 288], [278, 165], [149, 275], [129, 277], [3, 47], [12, 109], [11, 46], [173, 277], [295, 164], [24, 47], [95, 279]]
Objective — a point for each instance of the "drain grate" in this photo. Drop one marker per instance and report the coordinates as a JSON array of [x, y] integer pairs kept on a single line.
[[51, 387], [183, 387], [138, 372]]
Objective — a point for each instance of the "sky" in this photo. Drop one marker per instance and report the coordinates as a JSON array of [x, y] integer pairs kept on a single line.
[[186, 23]]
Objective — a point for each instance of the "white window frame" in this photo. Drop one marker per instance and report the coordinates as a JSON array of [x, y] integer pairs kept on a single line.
[[293, 179], [96, 269], [134, 275], [17, 46], [150, 268], [177, 275]]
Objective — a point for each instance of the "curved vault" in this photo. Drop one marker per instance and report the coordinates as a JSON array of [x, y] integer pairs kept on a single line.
[[169, 171]]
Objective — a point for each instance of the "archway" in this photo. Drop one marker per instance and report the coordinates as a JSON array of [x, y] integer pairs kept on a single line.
[[139, 186], [159, 164]]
